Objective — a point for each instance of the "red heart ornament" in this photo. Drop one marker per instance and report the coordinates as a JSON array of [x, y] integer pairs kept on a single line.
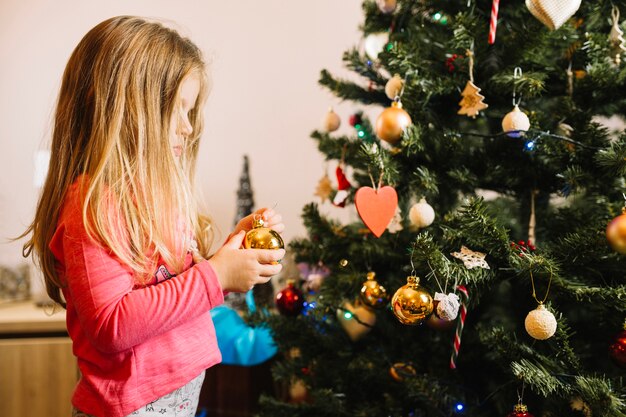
[[376, 207]]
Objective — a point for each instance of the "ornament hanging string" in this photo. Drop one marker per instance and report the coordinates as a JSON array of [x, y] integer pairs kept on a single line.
[[493, 23], [570, 80], [470, 55], [459, 326], [532, 282], [532, 222], [517, 74]]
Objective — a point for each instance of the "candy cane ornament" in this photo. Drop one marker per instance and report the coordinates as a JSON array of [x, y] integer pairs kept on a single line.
[[493, 24], [459, 325]]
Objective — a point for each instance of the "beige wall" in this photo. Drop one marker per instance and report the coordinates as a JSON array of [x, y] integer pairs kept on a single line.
[[265, 60]]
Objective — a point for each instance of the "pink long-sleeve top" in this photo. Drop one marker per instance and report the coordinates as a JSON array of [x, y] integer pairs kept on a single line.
[[133, 343]]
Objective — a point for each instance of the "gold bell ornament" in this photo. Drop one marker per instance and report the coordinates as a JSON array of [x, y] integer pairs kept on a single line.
[[412, 304], [261, 237], [372, 293], [392, 122]]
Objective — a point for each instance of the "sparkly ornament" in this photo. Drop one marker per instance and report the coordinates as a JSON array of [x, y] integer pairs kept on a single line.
[[372, 293], [553, 13], [260, 237], [394, 87], [331, 121], [471, 259], [520, 410], [447, 306], [422, 214], [392, 122], [357, 320], [290, 300], [412, 304], [618, 349], [387, 6], [616, 38], [324, 188], [375, 43], [515, 123], [343, 187], [376, 207], [540, 323], [616, 233], [399, 371]]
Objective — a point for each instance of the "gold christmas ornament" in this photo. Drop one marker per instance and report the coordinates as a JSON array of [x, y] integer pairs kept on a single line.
[[260, 237], [472, 101], [392, 122], [616, 233], [540, 323], [412, 304], [324, 188], [616, 38], [421, 214], [331, 121], [515, 123], [399, 371], [553, 13], [357, 320], [394, 87], [387, 6], [372, 293]]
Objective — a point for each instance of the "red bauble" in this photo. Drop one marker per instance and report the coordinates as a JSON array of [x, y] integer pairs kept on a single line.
[[355, 119], [290, 300], [618, 350], [520, 410]]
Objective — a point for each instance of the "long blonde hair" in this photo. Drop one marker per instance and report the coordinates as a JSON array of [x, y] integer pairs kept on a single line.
[[119, 91]]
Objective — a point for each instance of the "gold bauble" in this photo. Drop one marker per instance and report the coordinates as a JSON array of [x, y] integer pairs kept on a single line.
[[399, 371], [260, 237], [412, 304], [394, 87], [331, 121], [372, 293], [616, 233], [392, 122]]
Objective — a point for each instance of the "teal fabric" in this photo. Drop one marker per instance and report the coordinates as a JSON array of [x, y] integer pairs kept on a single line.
[[240, 343]]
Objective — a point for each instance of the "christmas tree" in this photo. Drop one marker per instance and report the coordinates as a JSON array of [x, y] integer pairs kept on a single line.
[[483, 279]]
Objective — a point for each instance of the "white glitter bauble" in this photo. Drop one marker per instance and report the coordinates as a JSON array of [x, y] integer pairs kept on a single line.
[[394, 87], [516, 121], [422, 214], [540, 323]]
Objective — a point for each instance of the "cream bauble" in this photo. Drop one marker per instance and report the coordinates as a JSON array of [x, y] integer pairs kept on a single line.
[[394, 87], [515, 123], [331, 121], [540, 323], [375, 43], [553, 13], [386, 6], [421, 214]]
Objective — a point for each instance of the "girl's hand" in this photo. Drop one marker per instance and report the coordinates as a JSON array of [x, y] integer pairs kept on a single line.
[[272, 220], [239, 270]]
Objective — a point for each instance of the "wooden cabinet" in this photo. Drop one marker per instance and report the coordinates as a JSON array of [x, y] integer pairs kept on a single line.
[[38, 371]]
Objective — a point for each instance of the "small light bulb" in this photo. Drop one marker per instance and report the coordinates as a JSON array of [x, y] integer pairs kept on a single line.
[[459, 407], [530, 145], [347, 315], [437, 16], [361, 134]]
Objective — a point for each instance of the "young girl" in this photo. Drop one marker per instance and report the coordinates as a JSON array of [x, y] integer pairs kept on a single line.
[[117, 230]]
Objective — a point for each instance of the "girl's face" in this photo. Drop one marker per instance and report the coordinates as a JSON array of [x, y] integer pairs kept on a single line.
[[180, 127]]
